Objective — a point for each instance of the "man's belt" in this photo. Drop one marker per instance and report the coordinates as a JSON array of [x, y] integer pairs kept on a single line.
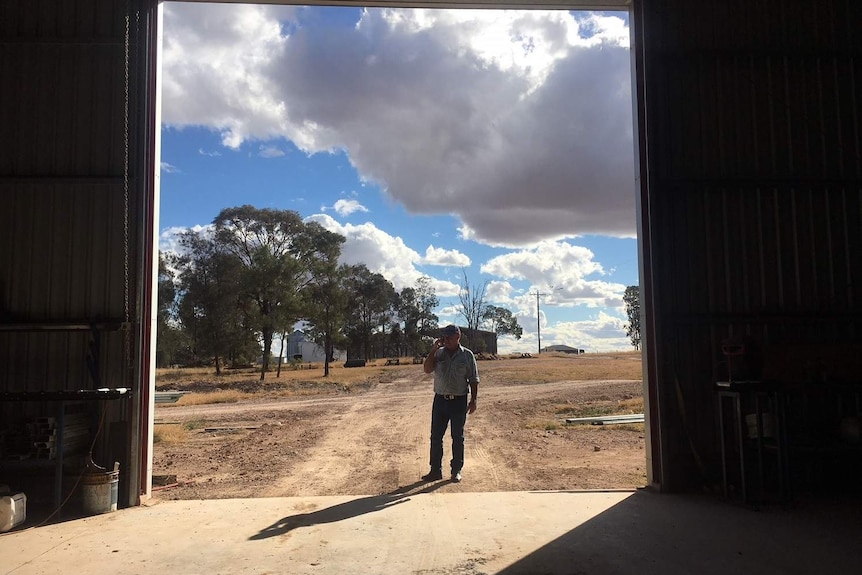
[[450, 396]]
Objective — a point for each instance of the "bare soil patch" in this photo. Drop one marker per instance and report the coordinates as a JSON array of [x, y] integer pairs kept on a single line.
[[371, 436]]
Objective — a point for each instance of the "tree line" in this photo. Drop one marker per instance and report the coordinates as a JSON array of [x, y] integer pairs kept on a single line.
[[258, 272], [632, 300]]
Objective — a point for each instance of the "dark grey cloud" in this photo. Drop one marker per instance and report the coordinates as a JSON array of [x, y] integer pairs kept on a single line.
[[518, 123]]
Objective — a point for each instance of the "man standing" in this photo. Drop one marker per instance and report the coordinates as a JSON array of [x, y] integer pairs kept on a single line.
[[454, 368]]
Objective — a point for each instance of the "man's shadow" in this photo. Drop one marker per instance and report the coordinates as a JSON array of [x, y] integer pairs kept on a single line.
[[346, 510]]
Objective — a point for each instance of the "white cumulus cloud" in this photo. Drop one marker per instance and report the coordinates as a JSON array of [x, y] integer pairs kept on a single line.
[[564, 272], [442, 257], [346, 207], [517, 123], [380, 252], [169, 241], [603, 332]]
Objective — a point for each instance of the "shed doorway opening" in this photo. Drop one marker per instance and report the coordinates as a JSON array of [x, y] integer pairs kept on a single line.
[[455, 154]]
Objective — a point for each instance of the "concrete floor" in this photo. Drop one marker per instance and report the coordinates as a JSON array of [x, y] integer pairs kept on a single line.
[[418, 531]]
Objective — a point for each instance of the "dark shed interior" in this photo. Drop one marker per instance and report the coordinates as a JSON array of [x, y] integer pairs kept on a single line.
[[751, 202], [749, 159], [77, 189]]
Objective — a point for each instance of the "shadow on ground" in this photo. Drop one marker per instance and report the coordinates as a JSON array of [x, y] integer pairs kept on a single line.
[[649, 533], [346, 510]]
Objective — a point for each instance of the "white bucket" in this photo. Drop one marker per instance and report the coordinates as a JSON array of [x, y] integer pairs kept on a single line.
[[13, 511], [99, 492]]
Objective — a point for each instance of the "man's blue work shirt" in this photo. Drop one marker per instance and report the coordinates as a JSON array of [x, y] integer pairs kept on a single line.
[[453, 373]]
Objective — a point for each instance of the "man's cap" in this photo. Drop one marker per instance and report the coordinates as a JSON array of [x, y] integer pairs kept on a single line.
[[451, 329]]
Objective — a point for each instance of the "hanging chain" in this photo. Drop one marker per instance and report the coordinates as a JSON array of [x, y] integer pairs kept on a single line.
[[126, 305]]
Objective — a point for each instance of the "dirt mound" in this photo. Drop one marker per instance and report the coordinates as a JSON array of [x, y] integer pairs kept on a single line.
[[262, 387]]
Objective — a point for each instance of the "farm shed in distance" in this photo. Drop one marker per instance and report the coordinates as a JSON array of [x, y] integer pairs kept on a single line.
[[300, 348], [479, 340], [563, 348]]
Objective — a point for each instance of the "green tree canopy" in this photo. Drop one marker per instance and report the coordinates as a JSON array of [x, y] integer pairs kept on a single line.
[[415, 308], [326, 308], [211, 309], [279, 255], [502, 321], [632, 299], [370, 308], [169, 339]]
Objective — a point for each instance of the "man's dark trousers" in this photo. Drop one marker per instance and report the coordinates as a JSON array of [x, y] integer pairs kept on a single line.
[[443, 413]]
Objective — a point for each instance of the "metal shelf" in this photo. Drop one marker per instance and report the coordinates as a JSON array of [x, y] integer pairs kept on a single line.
[[69, 325], [67, 395]]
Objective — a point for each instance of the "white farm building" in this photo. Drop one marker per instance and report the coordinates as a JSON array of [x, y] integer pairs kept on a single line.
[[300, 348]]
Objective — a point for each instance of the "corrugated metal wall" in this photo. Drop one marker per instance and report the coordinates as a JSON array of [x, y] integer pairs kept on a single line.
[[66, 242], [753, 196], [751, 162], [69, 218]]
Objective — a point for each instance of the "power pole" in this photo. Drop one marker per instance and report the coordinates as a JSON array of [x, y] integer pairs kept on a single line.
[[538, 321], [538, 294]]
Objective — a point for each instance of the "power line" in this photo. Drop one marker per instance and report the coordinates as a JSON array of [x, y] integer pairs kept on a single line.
[[537, 293]]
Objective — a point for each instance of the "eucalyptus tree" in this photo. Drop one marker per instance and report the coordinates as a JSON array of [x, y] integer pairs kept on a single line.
[[278, 254], [326, 308], [415, 308], [370, 308], [209, 300], [168, 337], [502, 321], [632, 299]]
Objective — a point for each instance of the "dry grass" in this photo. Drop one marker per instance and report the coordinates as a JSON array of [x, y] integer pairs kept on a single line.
[[170, 433], [592, 409], [226, 396], [550, 367], [539, 369], [624, 407], [309, 372], [633, 427], [176, 431], [599, 408], [544, 368], [544, 424]]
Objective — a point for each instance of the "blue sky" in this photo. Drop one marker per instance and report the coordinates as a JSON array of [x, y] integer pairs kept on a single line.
[[495, 142]]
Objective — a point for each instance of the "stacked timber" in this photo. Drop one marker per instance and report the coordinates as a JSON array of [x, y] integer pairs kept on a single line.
[[17, 444], [45, 435]]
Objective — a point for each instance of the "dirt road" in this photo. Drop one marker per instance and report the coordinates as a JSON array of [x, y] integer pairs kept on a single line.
[[377, 440]]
